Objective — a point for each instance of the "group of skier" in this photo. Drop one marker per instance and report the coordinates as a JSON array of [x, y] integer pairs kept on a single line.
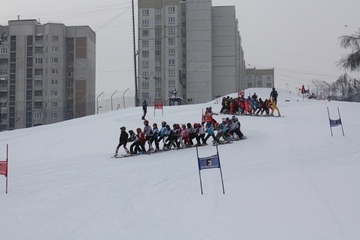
[[179, 136], [251, 105]]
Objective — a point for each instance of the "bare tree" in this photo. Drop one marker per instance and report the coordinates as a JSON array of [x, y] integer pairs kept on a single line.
[[352, 60]]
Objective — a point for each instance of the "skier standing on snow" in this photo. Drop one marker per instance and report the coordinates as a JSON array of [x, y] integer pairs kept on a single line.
[[122, 141]]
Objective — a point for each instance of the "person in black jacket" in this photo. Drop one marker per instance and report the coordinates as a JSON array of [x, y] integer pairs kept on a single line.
[[274, 95], [144, 107], [122, 140]]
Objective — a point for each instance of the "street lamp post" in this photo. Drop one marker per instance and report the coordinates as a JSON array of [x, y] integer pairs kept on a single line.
[[124, 97], [329, 89], [112, 100], [45, 106], [97, 102]]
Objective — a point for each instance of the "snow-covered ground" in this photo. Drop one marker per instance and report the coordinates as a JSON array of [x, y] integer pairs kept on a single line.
[[289, 180]]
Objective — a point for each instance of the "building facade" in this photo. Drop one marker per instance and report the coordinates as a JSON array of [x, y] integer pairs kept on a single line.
[[47, 73], [259, 78], [188, 46]]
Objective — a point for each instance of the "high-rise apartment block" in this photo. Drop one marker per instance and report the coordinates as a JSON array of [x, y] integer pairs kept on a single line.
[[47, 73], [188, 46]]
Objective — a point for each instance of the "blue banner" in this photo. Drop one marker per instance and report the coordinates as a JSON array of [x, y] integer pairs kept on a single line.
[[334, 123], [209, 162]]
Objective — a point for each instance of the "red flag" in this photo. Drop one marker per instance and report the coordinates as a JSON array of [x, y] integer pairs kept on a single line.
[[3, 168], [158, 106]]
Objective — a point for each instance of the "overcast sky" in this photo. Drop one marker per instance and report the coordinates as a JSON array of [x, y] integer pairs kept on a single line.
[[300, 39]]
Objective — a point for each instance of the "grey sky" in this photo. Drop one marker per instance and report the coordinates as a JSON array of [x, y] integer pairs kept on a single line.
[[300, 39]]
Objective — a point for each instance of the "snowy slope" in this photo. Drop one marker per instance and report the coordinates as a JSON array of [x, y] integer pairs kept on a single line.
[[289, 180]]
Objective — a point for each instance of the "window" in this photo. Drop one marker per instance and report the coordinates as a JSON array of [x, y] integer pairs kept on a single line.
[[145, 12], [37, 104], [38, 72], [157, 32], [158, 63], [259, 77], [171, 41], [55, 38], [158, 84], [158, 74], [171, 9], [39, 50], [145, 64], [249, 85], [145, 33], [70, 95], [171, 83], [171, 62], [157, 11], [3, 50], [171, 30], [145, 85], [145, 95], [249, 78], [268, 85], [3, 72], [145, 54], [268, 78], [157, 43], [37, 115], [38, 82], [145, 22], [157, 22], [144, 43], [70, 85], [145, 75], [38, 60], [70, 63], [54, 71], [54, 49], [54, 82], [55, 60], [54, 115], [171, 72], [54, 104], [70, 74], [171, 51], [158, 53], [70, 106], [38, 93], [158, 95], [54, 93], [171, 20], [39, 38], [3, 61]]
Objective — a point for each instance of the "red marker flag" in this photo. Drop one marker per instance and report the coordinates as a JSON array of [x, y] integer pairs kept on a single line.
[[3, 168]]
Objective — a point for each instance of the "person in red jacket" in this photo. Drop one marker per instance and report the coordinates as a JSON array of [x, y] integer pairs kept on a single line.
[[139, 143]]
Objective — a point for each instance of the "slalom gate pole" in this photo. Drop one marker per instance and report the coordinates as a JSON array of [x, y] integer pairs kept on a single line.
[[7, 167], [197, 154], [329, 120], [222, 180], [341, 122]]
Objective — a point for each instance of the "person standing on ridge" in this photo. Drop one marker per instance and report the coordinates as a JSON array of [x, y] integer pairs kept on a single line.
[[274, 95], [144, 107]]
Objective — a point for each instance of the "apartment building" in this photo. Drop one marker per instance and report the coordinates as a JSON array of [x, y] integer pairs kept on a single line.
[[47, 73], [188, 46], [259, 78]]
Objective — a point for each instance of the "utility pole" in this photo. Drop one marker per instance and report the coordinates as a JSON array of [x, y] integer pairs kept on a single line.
[[134, 49]]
